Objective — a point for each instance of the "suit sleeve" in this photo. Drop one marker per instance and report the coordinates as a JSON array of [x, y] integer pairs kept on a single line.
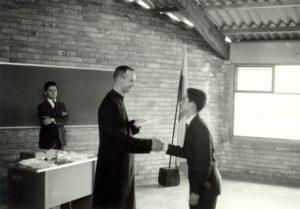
[[60, 120], [200, 159], [111, 122], [43, 111], [133, 128], [175, 151]]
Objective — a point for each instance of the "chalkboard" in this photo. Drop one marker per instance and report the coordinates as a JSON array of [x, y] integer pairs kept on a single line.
[[82, 90]]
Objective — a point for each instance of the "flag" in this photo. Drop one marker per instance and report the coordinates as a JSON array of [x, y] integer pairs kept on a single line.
[[182, 89]]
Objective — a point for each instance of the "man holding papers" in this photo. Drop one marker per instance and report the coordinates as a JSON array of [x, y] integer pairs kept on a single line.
[[114, 181]]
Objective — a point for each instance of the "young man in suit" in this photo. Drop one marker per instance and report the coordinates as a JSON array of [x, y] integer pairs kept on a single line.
[[52, 115], [204, 177]]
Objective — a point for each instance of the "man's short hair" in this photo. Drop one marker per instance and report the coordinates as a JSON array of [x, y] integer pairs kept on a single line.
[[49, 83], [198, 97], [121, 70]]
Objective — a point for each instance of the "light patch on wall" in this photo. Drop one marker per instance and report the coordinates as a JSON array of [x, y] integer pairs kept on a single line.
[[205, 68]]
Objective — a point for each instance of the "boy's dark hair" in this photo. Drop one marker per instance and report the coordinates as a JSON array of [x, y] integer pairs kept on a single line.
[[198, 97], [121, 70], [49, 83]]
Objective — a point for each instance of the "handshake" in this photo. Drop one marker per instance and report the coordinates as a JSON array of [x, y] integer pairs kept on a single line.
[[157, 145]]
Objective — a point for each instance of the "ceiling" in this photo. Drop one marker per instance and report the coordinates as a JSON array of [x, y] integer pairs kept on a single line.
[[255, 20], [238, 20]]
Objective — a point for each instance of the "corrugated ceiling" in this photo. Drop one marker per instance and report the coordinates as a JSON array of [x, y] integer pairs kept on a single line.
[[243, 20], [255, 20]]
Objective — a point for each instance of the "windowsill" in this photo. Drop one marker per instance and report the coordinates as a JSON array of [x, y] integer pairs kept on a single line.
[[266, 140]]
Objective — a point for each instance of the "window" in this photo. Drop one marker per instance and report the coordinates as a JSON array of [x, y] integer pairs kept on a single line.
[[287, 79], [267, 102], [254, 79]]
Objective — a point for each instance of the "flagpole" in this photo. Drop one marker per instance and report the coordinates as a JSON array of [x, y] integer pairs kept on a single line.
[[174, 130], [179, 95]]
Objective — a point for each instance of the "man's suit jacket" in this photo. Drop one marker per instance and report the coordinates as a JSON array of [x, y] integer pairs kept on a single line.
[[198, 149], [54, 132]]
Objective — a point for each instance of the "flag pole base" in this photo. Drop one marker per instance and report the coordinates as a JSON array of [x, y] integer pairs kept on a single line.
[[169, 177]]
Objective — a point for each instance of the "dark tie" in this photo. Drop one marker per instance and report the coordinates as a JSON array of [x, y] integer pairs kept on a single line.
[[185, 134], [54, 102]]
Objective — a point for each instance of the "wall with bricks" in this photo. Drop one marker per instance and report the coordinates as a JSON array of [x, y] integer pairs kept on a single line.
[[105, 34], [259, 159]]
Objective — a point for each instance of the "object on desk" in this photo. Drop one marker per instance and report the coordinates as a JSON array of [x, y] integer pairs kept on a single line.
[[36, 163], [40, 155], [52, 158], [62, 155], [51, 154], [26, 155]]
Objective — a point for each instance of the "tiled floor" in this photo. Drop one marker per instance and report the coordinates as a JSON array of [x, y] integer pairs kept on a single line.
[[235, 195]]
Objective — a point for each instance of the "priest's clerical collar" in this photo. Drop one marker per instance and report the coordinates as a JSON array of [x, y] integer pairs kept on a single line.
[[189, 120], [118, 94]]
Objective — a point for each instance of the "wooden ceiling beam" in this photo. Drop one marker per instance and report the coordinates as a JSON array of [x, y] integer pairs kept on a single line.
[[262, 30], [191, 10], [256, 5]]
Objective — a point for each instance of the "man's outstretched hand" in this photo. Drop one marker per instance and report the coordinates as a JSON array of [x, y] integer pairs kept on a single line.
[[157, 145]]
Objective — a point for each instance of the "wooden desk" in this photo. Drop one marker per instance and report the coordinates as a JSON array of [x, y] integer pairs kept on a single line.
[[50, 187]]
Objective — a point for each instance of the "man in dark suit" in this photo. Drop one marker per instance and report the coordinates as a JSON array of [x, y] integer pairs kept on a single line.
[[52, 115], [204, 177], [114, 180]]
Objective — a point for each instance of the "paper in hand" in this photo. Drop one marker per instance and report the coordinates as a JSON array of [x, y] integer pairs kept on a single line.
[[144, 121]]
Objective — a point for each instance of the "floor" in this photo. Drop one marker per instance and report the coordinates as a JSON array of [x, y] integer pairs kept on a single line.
[[235, 195]]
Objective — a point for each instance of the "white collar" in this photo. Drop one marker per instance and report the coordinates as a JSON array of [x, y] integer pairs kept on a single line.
[[51, 102], [189, 120]]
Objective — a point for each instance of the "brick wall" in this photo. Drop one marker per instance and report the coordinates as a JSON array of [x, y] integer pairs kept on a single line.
[[264, 160], [255, 159], [105, 34], [261, 161]]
